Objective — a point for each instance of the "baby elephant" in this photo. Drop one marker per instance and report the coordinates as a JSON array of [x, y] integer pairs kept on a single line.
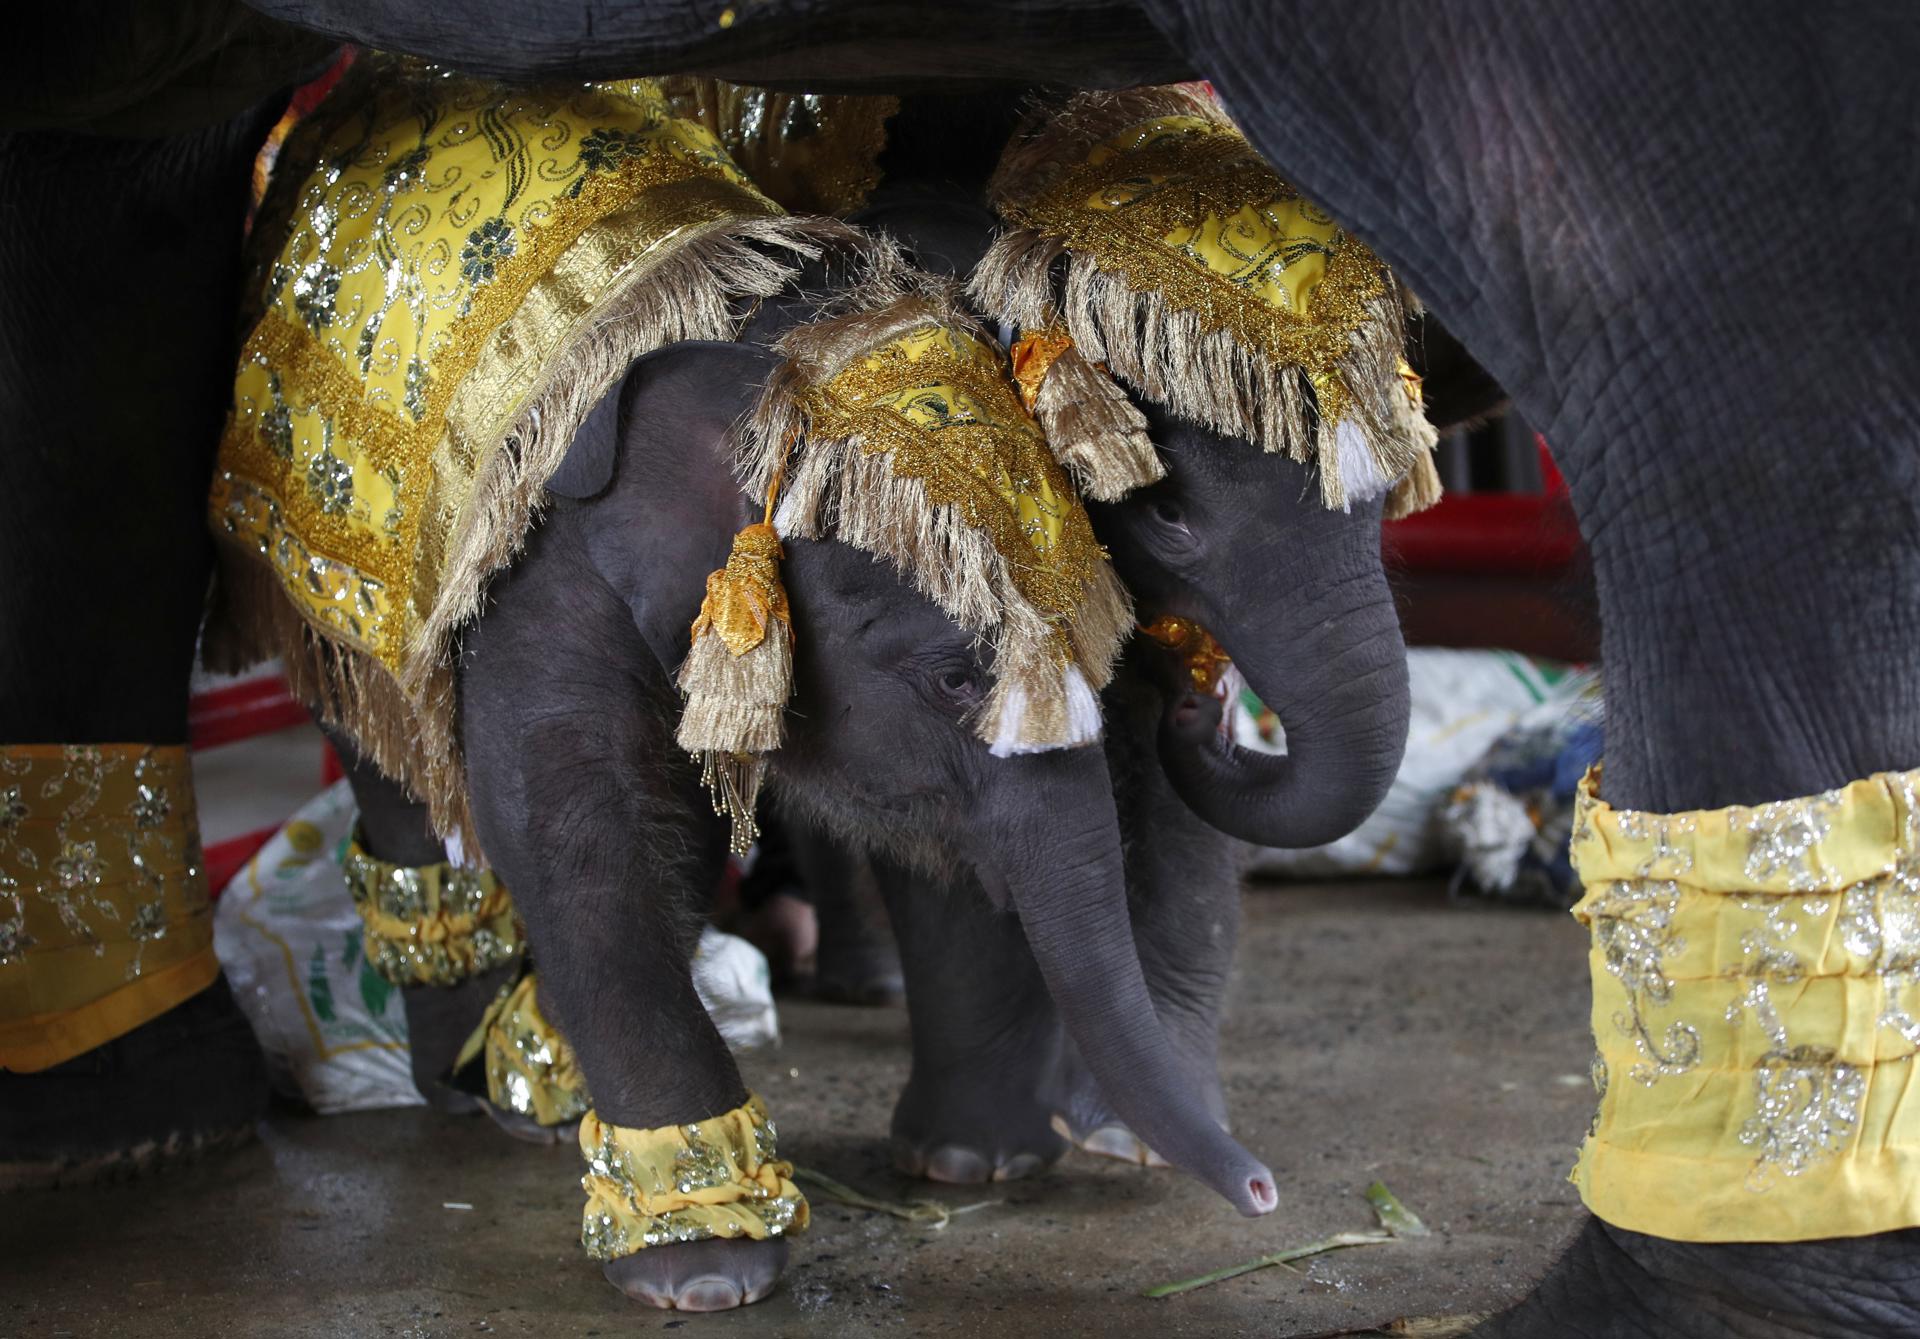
[[497, 354]]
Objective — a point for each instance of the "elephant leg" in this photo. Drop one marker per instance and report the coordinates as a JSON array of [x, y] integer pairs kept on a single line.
[[986, 1038], [394, 827], [120, 265], [856, 961], [594, 818]]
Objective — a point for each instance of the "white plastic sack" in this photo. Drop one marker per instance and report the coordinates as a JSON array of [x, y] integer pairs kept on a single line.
[[335, 1031], [1463, 700]]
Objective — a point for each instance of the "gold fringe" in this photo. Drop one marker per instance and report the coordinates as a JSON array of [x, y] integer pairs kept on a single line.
[[1181, 358]]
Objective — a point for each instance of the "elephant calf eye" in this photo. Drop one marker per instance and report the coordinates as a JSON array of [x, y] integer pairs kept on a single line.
[[958, 683], [1168, 513]]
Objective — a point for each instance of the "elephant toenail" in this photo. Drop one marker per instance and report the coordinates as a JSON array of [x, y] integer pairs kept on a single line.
[[958, 1166], [1115, 1141], [708, 1294], [1017, 1166]]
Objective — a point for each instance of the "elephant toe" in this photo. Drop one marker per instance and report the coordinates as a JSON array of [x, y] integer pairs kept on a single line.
[[700, 1275]]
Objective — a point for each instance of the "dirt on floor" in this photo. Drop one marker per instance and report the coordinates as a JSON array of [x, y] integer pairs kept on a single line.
[[1375, 1031]]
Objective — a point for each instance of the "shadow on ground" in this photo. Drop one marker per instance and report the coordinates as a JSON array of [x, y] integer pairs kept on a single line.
[[1375, 1032]]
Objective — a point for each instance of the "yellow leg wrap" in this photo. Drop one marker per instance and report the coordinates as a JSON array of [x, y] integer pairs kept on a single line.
[[1756, 1007], [719, 1177], [530, 1067], [430, 925], [105, 921]]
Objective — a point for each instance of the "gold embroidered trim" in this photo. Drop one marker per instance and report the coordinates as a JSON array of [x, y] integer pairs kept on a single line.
[[719, 1177], [105, 920], [1756, 1014], [429, 925]]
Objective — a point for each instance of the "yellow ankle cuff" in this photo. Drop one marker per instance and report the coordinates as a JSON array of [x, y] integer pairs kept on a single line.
[[1756, 1009], [430, 925], [105, 922], [720, 1177]]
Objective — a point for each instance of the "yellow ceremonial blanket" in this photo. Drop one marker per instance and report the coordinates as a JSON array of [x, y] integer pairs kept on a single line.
[[452, 274]]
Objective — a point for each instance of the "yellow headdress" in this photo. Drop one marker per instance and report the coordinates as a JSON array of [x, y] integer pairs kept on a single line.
[[1203, 280], [893, 423], [451, 274]]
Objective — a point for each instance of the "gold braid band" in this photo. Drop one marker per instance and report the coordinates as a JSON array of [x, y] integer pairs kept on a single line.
[[530, 1068], [1756, 1008], [430, 925], [720, 1177], [105, 922]]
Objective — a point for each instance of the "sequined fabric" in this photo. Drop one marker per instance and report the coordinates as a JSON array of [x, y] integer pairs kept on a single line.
[[430, 925], [1756, 986], [530, 1069], [105, 921], [720, 1177], [450, 275]]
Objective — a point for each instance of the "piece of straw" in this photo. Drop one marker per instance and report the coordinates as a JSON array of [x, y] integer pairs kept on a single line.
[[930, 1213], [1396, 1221]]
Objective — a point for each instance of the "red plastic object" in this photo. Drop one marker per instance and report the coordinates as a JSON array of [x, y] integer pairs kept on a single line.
[[225, 859], [1490, 532], [240, 711]]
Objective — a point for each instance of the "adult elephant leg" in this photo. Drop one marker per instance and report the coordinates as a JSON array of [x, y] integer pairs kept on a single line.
[[119, 261], [394, 828], [1757, 649], [595, 820], [1742, 461], [986, 1038], [1183, 892]]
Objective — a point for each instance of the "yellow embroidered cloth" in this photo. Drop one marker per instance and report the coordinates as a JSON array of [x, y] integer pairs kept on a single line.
[[720, 1177], [1756, 1009], [530, 1068], [429, 925], [938, 403], [439, 257], [105, 921]]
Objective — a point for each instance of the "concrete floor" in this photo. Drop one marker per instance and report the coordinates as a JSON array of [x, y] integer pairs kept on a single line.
[[1375, 1031]]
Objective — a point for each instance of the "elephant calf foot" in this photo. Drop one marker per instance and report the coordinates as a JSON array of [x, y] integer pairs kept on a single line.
[[1615, 1284], [1083, 1117], [700, 1275], [967, 1133], [188, 1082], [440, 1019]]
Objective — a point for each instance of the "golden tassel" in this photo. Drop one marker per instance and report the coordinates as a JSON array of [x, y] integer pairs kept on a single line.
[[738, 676], [1091, 426]]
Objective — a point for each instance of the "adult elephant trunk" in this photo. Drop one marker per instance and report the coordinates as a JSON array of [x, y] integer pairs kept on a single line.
[[1052, 842], [1327, 656]]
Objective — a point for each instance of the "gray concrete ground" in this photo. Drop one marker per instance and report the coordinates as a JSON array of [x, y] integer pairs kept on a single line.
[[1375, 1031]]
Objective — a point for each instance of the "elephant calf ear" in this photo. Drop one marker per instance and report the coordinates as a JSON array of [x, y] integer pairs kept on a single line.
[[588, 466]]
